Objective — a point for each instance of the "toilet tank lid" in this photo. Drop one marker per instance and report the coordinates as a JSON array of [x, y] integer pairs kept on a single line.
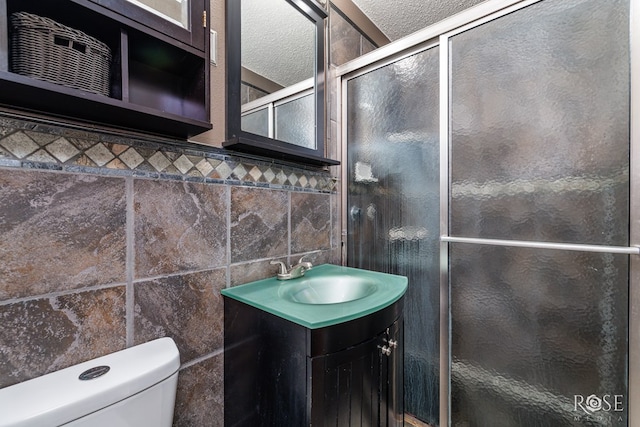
[[60, 397]]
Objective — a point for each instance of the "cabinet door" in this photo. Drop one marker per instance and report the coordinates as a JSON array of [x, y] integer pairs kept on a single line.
[[183, 20], [346, 386], [362, 385]]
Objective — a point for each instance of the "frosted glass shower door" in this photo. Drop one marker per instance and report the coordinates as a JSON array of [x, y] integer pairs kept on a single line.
[[393, 199], [539, 152]]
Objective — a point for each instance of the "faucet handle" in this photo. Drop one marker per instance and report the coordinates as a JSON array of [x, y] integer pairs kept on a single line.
[[283, 267], [306, 264], [310, 253]]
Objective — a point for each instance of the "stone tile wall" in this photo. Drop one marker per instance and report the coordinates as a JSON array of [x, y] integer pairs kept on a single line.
[[107, 242], [346, 40]]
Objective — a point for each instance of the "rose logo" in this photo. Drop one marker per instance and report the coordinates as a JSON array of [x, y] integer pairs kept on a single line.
[[593, 403]]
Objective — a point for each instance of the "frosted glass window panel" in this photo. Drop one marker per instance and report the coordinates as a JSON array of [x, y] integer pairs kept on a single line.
[[295, 122], [175, 11], [531, 330], [540, 124], [256, 122], [393, 197]]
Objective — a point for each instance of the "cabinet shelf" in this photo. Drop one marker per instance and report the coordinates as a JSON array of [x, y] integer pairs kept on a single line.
[[156, 85], [55, 100]]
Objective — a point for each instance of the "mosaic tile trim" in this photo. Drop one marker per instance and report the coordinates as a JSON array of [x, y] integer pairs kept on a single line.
[[31, 145]]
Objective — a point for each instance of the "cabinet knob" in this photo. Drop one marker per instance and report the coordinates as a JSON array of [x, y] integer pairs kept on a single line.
[[386, 350]]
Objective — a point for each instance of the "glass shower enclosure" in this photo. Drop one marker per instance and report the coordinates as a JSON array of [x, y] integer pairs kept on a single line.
[[489, 159], [393, 193]]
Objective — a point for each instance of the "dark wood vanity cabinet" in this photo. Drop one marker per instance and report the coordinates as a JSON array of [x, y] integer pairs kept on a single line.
[[158, 73], [279, 373]]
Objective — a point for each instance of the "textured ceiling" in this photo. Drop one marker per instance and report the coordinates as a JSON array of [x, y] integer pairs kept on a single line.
[[398, 18]]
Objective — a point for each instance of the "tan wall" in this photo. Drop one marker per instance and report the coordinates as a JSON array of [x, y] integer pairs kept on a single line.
[[216, 136]]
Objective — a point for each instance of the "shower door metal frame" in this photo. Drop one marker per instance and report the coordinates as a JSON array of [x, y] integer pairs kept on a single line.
[[634, 215], [440, 34]]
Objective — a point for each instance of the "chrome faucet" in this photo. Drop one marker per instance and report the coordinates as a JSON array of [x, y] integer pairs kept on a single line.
[[294, 271]]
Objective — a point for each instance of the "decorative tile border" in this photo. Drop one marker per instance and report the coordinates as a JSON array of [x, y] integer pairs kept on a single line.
[[33, 145]]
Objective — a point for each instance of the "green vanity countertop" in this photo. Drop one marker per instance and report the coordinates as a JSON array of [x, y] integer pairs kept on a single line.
[[267, 295]]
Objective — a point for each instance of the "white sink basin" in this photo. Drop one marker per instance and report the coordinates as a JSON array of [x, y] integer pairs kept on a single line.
[[327, 289]]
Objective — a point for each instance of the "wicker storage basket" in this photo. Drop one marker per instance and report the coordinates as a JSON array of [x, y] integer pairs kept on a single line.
[[47, 50]]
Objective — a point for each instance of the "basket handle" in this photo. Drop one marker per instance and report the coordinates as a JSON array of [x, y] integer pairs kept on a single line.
[[63, 41]]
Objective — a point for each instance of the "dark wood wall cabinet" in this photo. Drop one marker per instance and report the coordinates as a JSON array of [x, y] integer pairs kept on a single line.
[[157, 74], [279, 373]]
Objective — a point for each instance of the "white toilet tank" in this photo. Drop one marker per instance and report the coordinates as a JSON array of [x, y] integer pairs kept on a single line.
[[135, 387]]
